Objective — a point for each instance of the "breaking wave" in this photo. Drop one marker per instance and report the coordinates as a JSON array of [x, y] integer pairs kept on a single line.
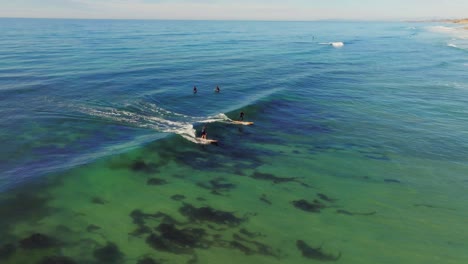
[[338, 44], [150, 116]]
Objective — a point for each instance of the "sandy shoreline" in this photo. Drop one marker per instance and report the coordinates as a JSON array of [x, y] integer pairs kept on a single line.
[[463, 21], [460, 22], [455, 21]]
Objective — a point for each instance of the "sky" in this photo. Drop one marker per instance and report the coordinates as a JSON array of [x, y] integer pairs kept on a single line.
[[236, 9]]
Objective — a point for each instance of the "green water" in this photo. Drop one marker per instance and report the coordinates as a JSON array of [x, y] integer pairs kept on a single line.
[[386, 215]]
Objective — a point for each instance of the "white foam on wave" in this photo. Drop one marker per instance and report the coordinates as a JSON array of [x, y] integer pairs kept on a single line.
[[338, 44], [460, 45], [455, 32], [458, 36], [442, 29], [155, 118]]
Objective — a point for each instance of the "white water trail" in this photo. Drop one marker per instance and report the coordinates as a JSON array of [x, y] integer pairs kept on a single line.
[[152, 117]]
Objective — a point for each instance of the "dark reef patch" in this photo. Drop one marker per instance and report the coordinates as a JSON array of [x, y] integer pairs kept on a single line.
[[209, 214], [38, 241], [255, 247], [375, 155], [142, 166], [139, 218], [57, 260], [184, 237], [156, 181], [200, 160], [110, 253], [270, 177], [92, 228], [433, 206], [98, 200], [244, 249], [23, 204], [341, 211], [392, 181], [63, 229], [179, 241], [179, 176], [315, 253], [178, 197], [239, 172], [217, 186], [425, 205], [221, 184], [249, 234], [148, 260], [204, 229], [264, 199], [325, 198], [313, 207], [7, 250], [157, 242], [141, 230]]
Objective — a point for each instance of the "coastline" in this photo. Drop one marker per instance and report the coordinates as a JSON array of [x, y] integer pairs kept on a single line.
[[455, 21], [463, 21], [459, 21]]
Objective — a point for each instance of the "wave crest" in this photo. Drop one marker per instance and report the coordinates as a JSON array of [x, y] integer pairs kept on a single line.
[[150, 116], [337, 44]]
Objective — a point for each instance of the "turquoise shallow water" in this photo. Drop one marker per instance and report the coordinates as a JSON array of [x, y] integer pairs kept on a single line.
[[357, 154]]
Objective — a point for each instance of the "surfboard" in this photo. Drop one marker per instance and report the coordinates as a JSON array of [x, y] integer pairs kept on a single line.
[[207, 141], [245, 123]]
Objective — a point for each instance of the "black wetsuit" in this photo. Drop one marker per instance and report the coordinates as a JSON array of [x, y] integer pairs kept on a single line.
[[194, 89], [203, 132], [241, 116]]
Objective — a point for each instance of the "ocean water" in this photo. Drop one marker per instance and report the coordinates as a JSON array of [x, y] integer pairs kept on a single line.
[[358, 154]]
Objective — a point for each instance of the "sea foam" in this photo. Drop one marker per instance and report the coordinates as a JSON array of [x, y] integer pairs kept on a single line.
[[338, 44], [455, 32], [152, 117]]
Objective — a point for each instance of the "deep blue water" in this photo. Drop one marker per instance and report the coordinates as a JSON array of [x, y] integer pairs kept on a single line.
[[75, 90]]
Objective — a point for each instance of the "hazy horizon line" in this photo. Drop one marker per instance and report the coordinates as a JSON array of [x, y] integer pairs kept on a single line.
[[246, 20]]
